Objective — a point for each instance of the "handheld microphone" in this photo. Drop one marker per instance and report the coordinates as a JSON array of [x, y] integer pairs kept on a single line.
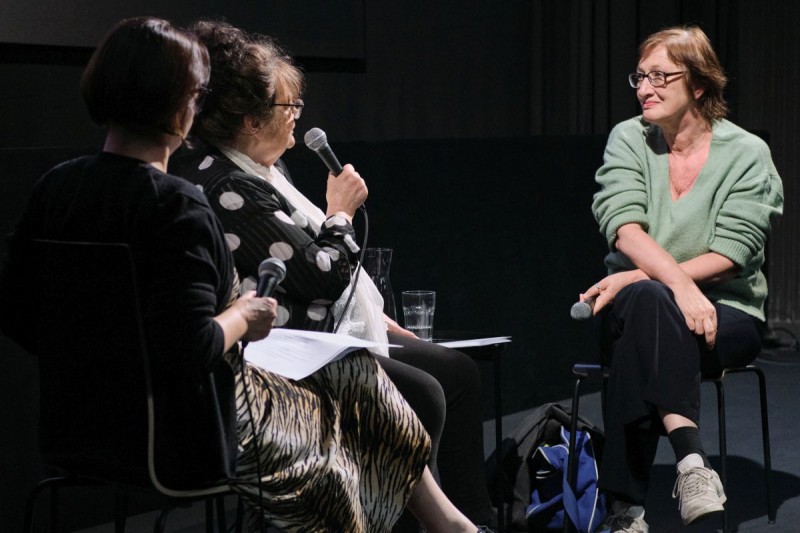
[[583, 310], [316, 140], [271, 272]]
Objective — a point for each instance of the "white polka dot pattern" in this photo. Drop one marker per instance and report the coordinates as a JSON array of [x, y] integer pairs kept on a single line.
[[283, 217], [200, 188], [282, 316], [231, 201], [281, 250], [332, 252], [316, 312], [335, 220], [323, 261], [300, 219], [348, 240], [205, 163], [233, 241]]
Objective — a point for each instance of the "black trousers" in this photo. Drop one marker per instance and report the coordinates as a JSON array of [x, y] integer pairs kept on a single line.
[[655, 362], [450, 398]]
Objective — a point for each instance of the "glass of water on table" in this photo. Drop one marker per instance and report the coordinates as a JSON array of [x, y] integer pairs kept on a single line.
[[418, 308]]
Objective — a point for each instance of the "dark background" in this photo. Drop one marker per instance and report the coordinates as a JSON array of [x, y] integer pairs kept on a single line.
[[478, 126]]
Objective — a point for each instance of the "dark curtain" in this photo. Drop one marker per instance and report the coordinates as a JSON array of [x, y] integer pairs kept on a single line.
[[582, 51]]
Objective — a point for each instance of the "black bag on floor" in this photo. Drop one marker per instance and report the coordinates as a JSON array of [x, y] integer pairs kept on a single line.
[[517, 473]]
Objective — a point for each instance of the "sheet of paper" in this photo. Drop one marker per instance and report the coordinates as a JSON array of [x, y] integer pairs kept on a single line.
[[296, 354], [466, 343]]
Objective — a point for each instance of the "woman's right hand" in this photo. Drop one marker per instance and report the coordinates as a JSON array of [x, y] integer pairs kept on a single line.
[[258, 313], [605, 290], [346, 192]]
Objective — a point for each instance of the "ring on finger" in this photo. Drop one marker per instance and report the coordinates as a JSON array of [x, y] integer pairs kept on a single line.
[[597, 286]]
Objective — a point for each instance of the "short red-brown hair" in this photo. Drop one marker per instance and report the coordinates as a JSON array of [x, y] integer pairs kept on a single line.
[[690, 48]]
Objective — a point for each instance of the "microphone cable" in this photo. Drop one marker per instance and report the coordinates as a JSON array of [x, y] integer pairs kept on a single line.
[[248, 402], [256, 445], [363, 209]]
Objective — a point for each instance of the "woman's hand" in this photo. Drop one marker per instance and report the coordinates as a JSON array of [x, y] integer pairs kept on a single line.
[[258, 313], [699, 313], [394, 327], [346, 192], [604, 291]]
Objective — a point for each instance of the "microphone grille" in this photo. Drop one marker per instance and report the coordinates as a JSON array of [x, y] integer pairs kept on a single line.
[[315, 139], [273, 266], [580, 311]]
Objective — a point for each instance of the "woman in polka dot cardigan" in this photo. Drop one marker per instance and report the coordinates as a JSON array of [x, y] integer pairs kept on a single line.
[[246, 125]]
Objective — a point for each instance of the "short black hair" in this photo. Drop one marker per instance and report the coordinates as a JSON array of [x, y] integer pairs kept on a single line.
[[143, 74]]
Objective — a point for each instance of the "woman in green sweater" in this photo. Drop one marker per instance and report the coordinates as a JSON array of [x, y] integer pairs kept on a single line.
[[686, 203]]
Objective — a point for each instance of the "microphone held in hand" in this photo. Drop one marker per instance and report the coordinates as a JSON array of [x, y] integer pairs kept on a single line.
[[271, 272], [316, 140], [583, 310]]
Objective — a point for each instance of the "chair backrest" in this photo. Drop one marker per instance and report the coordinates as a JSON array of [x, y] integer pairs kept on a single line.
[[89, 343], [80, 316]]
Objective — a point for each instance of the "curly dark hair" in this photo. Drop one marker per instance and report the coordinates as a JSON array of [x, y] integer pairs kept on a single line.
[[247, 71], [143, 74]]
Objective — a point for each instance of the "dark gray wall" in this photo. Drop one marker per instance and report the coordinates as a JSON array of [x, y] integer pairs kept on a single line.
[[408, 72]]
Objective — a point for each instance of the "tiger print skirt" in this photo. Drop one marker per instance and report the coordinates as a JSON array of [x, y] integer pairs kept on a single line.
[[338, 451]]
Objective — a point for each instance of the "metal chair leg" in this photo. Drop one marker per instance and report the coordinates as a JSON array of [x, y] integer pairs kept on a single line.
[[765, 441], [723, 452], [723, 448], [222, 525], [120, 509], [572, 470], [762, 392]]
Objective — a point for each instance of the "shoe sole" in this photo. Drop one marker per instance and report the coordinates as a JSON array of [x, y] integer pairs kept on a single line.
[[704, 513]]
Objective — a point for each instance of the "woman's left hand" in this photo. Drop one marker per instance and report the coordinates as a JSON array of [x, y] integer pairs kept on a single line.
[[394, 327], [699, 313]]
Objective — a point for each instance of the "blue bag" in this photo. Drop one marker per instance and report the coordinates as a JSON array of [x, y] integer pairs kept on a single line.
[[552, 494], [512, 467]]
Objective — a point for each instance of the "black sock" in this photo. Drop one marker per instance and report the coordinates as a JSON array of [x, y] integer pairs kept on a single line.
[[686, 440]]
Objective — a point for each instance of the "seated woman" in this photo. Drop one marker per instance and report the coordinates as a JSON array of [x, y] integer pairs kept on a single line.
[[686, 202], [338, 451], [240, 135]]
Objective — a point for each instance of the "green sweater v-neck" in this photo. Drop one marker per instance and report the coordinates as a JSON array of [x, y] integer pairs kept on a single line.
[[728, 210]]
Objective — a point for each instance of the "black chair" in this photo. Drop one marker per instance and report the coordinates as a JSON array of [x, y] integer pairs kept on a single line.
[[585, 371], [97, 404]]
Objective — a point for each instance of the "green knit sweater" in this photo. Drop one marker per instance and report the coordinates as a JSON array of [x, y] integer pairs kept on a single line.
[[728, 210]]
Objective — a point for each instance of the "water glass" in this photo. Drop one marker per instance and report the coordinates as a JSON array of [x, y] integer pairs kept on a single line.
[[418, 308]]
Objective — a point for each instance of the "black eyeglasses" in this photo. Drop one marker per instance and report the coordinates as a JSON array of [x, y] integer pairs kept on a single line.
[[655, 77], [296, 105], [199, 100]]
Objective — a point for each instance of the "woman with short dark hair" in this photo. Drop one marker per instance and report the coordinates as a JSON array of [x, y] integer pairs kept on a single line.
[[341, 449]]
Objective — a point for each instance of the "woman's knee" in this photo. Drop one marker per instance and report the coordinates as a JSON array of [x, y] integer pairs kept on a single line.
[[645, 289]]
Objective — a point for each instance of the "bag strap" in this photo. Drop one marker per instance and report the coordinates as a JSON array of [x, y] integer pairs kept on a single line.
[[569, 499]]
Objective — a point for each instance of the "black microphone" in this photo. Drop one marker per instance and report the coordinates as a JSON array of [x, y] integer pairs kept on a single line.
[[316, 139], [271, 272], [583, 310]]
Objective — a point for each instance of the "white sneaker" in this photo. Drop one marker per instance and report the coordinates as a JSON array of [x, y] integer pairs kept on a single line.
[[624, 518], [699, 489]]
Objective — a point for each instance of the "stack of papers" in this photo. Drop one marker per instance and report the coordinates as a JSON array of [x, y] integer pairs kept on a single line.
[[466, 343], [296, 354]]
